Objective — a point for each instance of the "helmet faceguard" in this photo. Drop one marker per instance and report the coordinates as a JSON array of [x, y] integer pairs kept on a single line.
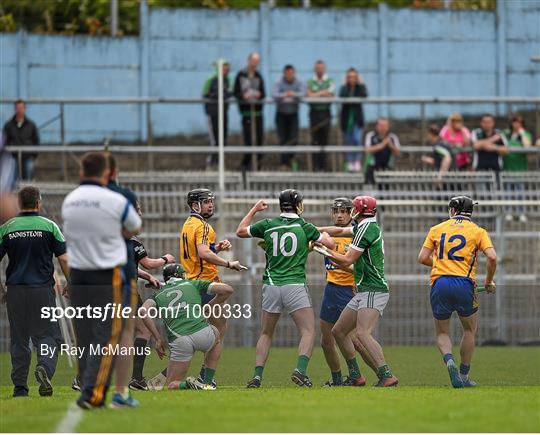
[[343, 204], [196, 198]]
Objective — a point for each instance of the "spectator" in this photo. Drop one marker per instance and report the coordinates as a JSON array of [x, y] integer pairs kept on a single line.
[[210, 92], [21, 130], [381, 145], [489, 145], [517, 137], [442, 151], [249, 91], [287, 91], [320, 86], [352, 116], [458, 136]]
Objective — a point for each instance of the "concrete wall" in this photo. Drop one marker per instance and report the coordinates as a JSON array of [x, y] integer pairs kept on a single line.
[[400, 52]]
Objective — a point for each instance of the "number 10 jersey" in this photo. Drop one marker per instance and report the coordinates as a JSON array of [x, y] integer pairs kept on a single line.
[[286, 247]]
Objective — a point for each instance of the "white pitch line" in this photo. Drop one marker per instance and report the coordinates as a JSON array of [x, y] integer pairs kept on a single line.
[[71, 420]]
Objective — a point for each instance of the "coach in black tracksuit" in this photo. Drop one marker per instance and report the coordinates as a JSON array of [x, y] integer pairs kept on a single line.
[[30, 242], [249, 91], [96, 220]]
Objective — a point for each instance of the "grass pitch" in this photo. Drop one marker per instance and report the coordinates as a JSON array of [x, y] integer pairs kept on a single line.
[[507, 400]]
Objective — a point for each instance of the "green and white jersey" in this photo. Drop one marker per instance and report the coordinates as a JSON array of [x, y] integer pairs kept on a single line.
[[30, 241], [287, 247], [180, 296], [369, 268]]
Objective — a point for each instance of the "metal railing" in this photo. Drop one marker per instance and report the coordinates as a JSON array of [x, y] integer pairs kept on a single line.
[[221, 151], [148, 102], [511, 315]]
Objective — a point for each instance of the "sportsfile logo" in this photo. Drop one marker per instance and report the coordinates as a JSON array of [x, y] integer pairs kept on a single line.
[[113, 310]]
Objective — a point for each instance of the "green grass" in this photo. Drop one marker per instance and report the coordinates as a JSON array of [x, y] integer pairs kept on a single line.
[[508, 399]]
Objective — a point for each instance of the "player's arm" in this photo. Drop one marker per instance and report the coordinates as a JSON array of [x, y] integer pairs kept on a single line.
[[327, 241], [425, 256], [486, 246], [204, 252], [151, 325], [336, 231], [146, 276], [155, 263], [491, 267], [243, 227], [221, 291], [344, 261]]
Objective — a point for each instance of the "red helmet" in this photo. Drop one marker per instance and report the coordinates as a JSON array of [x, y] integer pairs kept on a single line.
[[364, 206]]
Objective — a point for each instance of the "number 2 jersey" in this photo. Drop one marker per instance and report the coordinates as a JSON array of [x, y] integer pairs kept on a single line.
[[455, 244], [369, 268], [286, 246], [180, 296]]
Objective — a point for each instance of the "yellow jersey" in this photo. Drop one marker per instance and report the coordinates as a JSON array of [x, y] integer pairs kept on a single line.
[[334, 274], [455, 244], [196, 231]]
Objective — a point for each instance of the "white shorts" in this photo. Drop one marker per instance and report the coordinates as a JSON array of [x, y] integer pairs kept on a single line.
[[375, 300], [183, 348], [292, 297]]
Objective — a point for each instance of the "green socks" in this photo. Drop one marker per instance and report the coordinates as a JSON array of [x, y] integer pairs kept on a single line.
[[301, 365], [258, 372], [209, 375], [384, 372], [354, 370]]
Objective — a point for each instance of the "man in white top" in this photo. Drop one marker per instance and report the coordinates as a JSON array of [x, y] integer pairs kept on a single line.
[[96, 222]]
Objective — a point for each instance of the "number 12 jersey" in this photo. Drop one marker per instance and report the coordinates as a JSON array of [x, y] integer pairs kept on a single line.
[[455, 244]]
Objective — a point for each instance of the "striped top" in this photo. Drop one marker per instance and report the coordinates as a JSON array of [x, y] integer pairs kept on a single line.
[[369, 268]]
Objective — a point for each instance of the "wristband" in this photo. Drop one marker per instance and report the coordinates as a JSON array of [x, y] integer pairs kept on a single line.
[[165, 260], [228, 265]]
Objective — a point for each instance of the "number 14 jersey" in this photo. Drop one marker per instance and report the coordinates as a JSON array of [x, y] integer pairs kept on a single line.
[[455, 245], [286, 246]]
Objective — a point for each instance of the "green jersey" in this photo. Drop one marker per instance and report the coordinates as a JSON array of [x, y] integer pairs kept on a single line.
[[316, 84], [516, 161], [30, 241], [179, 296], [369, 268], [286, 246]]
